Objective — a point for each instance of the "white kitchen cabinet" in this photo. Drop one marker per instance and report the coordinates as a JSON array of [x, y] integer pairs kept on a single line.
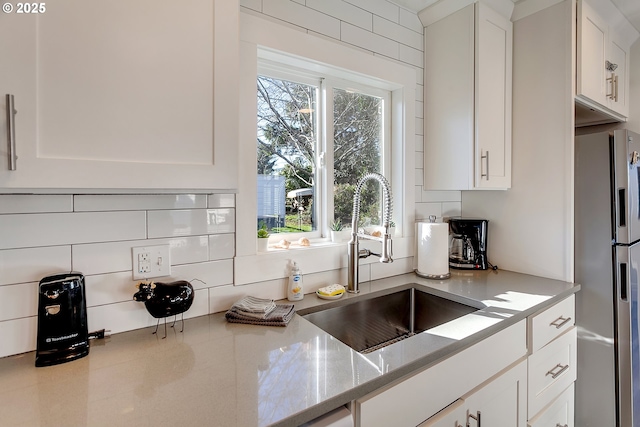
[[552, 365], [500, 402], [603, 46], [467, 98], [412, 400], [122, 95]]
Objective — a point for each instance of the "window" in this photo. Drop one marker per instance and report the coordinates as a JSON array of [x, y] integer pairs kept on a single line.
[[316, 133]]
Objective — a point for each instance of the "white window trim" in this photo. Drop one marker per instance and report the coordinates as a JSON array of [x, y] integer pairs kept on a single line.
[[326, 85], [267, 39]]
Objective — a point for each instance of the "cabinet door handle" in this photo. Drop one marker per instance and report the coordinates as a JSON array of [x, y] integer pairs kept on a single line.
[[11, 131], [562, 425], [560, 322], [486, 156], [556, 374], [614, 87], [610, 80], [475, 417]]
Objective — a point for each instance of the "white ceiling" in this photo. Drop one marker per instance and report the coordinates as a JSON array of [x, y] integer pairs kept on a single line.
[[629, 8]]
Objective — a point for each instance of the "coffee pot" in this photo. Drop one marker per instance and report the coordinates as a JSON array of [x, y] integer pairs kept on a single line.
[[468, 243]]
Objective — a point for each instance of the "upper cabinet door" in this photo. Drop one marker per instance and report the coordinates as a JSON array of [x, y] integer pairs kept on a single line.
[[494, 36], [467, 99], [617, 79], [121, 95], [591, 54]]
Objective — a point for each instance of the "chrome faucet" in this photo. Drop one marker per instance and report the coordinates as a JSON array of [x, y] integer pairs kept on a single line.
[[353, 247]]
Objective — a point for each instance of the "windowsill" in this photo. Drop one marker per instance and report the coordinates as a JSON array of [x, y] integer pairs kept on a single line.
[[313, 243]]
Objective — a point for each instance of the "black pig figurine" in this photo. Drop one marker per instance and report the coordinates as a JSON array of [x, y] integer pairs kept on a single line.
[[165, 299]]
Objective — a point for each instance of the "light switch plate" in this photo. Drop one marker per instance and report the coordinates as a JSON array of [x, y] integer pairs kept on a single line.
[[151, 261]]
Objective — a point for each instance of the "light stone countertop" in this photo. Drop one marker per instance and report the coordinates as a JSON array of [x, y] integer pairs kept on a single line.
[[222, 374]]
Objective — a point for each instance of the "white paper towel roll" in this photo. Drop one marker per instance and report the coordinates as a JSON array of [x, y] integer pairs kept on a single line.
[[433, 250]]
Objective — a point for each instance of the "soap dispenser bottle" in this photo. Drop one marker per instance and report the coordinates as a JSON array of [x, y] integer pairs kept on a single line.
[[295, 291]]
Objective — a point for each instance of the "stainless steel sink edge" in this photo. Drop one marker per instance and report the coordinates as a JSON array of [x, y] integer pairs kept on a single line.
[[350, 298]]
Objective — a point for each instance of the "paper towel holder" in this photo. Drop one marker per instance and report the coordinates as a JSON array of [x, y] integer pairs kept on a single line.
[[447, 275]]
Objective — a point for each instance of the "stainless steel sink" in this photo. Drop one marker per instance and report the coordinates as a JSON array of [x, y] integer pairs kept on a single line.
[[371, 322]]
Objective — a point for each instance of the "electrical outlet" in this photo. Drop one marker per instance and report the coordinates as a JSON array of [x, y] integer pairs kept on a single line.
[[151, 261]]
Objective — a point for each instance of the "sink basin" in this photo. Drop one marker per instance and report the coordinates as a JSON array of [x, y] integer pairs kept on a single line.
[[371, 322]]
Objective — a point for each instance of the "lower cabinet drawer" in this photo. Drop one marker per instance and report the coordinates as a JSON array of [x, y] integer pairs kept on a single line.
[[559, 413], [551, 370]]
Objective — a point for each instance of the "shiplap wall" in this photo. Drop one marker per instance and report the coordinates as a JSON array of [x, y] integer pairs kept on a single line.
[[93, 234]]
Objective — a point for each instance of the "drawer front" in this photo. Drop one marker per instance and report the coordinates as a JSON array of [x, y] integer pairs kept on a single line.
[[551, 370], [559, 413], [552, 322]]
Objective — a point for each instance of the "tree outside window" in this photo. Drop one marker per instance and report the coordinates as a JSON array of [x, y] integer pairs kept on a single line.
[[288, 145]]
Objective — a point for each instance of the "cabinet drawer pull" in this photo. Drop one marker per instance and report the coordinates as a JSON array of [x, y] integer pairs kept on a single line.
[[11, 131], [560, 322], [474, 417], [486, 175], [562, 425], [555, 375]]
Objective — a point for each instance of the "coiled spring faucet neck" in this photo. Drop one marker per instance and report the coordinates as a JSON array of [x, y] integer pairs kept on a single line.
[[353, 248]]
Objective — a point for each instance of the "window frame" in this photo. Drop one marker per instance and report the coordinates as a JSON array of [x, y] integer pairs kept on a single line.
[[326, 83]]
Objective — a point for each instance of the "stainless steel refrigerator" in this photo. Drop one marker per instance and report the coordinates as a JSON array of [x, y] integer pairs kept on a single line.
[[607, 263]]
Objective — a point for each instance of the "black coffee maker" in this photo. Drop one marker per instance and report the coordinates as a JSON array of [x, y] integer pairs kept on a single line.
[[468, 243], [62, 319]]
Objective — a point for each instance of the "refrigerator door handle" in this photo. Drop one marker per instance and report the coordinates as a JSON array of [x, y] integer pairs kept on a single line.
[[624, 283], [622, 207]]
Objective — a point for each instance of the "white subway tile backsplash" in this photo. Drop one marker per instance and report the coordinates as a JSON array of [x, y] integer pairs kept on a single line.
[[344, 12], [302, 16], [418, 196], [21, 231], [382, 8], [111, 257], [392, 30], [451, 209], [221, 246], [120, 317], [370, 41], [189, 222], [221, 201], [419, 176], [24, 301], [18, 336], [420, 145], [102, 289], [424, 210], [398, 266], [411, 55], [34, 203], [410, 20], [252, 4], [130, 202], [441, 196], [32, 264], [214, 273], [420, 110]]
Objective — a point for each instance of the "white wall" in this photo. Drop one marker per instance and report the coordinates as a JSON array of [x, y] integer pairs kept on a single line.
[[94, 234]]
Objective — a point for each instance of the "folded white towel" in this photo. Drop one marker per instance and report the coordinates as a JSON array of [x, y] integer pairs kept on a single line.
[[255, 305]]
